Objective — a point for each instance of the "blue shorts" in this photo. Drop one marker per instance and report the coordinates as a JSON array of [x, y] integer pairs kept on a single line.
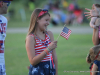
[[43, 68]]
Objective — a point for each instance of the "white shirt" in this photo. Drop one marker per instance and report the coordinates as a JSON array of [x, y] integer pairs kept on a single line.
[[3, 28]]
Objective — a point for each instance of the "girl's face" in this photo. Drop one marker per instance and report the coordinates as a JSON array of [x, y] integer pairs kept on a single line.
[[43, 22]]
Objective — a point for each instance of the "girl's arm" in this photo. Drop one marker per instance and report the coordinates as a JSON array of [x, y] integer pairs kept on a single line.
[[92, 22], [95, 67], [95, 36], [54, 52], [30, 43]]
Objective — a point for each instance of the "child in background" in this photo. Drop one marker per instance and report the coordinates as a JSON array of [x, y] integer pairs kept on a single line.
[[94, 58], [40, 45], [95, 24]]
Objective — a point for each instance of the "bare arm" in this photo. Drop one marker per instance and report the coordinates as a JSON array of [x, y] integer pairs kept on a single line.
[[30, 44], [95, 67], [92, 22], [54, 52], [95, 36]]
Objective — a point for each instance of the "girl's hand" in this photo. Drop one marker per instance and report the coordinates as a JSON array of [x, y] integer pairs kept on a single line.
[[91, 13], [53, 45]]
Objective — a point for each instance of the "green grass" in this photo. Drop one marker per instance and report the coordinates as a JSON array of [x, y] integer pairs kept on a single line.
[[71, 54]]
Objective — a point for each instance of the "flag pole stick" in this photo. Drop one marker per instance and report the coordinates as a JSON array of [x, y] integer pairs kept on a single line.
[[59, 34]]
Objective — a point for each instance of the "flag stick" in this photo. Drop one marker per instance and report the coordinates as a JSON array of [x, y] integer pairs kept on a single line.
[[60, 33]]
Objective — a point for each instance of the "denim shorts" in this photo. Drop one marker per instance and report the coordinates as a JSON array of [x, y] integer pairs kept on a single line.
[[43, 68]]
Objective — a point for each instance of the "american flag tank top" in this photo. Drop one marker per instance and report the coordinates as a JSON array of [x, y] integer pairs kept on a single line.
[[41, 46]]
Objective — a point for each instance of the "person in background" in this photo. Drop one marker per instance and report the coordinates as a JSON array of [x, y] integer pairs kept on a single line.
[[3, 27], [94, 59], [90, 14], [65, 4]]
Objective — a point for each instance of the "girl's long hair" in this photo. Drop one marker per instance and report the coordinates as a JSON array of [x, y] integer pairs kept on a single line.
[[92, 53], [33, 21], [97, 5]]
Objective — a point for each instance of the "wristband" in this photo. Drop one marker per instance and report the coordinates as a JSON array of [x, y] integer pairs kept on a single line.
[[46, 52], [48, 49]]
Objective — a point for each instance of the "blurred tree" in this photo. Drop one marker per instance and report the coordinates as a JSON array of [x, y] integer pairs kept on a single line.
[[31, 5]]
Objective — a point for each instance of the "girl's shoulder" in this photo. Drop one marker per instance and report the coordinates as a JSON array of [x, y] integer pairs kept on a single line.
[[49, 33], [30, 37]]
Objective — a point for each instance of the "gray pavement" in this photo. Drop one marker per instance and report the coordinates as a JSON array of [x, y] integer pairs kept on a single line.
[[55, 30]]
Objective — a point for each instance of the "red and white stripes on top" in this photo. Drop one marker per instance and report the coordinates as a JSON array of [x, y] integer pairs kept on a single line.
[[39, 47]]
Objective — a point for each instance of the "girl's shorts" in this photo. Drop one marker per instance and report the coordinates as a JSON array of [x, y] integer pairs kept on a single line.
[[43, 68]]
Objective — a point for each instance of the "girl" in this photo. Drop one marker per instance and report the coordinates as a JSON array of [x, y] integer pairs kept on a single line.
[[94, 58], [40, 45]]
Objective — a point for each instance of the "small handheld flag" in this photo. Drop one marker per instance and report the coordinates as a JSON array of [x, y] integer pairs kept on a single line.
[[65, 33]]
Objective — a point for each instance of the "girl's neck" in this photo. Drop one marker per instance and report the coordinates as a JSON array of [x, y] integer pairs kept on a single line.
[[39, 32]]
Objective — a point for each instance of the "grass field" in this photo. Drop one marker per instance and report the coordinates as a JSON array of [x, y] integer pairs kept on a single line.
[[71, 54]]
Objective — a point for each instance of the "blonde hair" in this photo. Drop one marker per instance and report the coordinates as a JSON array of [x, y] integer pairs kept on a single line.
[[33, 21], [93, 53]]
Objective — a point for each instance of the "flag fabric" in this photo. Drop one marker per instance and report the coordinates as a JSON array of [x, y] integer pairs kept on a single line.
[[66, 33]]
